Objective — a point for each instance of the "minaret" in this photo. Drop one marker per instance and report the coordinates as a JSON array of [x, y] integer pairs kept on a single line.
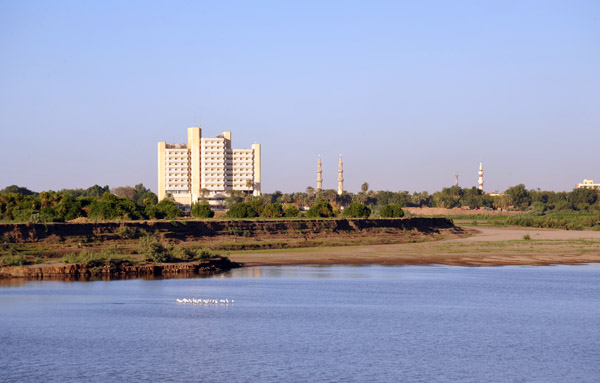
[[340, 177], [319, 175], [480, 187]]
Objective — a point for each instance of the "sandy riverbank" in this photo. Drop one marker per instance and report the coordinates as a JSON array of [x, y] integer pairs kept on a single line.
[[487, 247]]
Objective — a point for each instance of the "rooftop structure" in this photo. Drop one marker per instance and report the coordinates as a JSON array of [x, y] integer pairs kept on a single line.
[[206, 168]]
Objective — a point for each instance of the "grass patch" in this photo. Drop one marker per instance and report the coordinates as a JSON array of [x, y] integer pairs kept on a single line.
[[103, 258], [13, 260]]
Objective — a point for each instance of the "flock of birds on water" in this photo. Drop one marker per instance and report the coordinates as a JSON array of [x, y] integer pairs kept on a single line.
[[205, 302]]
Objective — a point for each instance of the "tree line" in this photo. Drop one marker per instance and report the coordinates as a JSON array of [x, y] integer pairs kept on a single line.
[[96, 203], [134, 203]]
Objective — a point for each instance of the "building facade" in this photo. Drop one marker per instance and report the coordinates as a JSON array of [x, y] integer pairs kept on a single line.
[[588, 184], [206, 169]]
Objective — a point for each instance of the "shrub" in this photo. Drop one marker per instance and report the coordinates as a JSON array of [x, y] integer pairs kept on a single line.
[[13, 260], [203, 254], [273, 210], [167, 209], [125, 232], [357, 210], [242, 210], [103, 258], [179, 253], [321, 209], [291, 211], [392, 211], [202, 210], [152, 250]]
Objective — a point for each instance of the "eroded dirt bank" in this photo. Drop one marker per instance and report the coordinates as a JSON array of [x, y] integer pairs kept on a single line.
[[189, 230], [80, 271]]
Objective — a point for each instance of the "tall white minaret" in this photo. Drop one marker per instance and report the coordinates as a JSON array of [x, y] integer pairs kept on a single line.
[[480, 187], [340, 177], [319, 175]]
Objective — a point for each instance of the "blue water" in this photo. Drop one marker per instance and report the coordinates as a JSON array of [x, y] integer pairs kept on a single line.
[[308, 324]]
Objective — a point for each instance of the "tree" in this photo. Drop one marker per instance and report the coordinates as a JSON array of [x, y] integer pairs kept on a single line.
[[291, 211], [249, 185], [583, 196], [392, 211], [124, 192], [272, 210], [167, 209], [364, 187], [234, 197], [202, 210], [310, 191], [18, 190], [242, 210], [96, 191], [357, 210], [322, 209], [518, 196], [69, 208]]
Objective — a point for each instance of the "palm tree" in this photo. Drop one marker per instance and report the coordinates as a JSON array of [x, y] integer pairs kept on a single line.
[[310, 191], [364, 187]]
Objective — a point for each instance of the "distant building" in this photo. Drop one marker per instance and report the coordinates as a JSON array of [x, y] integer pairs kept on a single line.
[[319, 175], [340, 190], [588, 184], [480, 179], [206, 169]]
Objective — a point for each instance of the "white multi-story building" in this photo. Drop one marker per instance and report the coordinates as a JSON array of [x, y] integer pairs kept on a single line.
[[206, 168]]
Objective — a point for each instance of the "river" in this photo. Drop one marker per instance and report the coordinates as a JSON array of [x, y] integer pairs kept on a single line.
[[309, 324]]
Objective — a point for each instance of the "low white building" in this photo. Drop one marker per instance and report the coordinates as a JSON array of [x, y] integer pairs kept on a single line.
[[588, 184]]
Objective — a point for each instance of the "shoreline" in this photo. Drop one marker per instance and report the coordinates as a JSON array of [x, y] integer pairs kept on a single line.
[[486, 247]]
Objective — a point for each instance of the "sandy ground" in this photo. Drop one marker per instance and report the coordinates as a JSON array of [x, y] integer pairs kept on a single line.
[[487, 247]]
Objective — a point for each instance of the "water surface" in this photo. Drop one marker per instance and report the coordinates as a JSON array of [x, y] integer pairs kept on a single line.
[[324, 323]]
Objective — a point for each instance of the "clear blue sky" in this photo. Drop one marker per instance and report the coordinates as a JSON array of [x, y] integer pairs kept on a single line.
[[410, 92]]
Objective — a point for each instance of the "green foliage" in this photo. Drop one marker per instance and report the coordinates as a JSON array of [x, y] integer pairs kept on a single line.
[[167, 209], [202, 210], [357, 210], [291, 211], [202, 254], [518, 196], [17, 190], [125, 232], [112, 207], [272, 210], [392, 211], [152, 250], [13, 260], [567, 221], [242, 210], [527, 237], [321, 209], [103, 258]]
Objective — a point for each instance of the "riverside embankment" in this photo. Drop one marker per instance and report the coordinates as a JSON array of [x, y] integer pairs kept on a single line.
[[49, 244], [190, 230], [81, 272]]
